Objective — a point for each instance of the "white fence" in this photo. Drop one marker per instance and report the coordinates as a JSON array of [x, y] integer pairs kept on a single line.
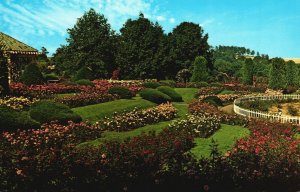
[[258, 114]]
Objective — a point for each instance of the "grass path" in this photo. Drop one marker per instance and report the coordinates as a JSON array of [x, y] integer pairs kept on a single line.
[[226, 137], [96, 112]]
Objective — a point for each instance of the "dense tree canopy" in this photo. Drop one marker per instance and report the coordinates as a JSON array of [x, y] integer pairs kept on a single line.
[[91, 43], [187, 41], [200, 70], [277, 76], [292, 73], [138, 51], [248, 71]]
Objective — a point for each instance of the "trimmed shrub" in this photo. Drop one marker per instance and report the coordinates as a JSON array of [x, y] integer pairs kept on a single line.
[[152, 85], [32, 75], [51, 76], [123, 92], [84, 73], [171, 93], [214, 100], [85, 82], [154, 96], [169, 83], [11, 120], [200, 72], [47, 111]]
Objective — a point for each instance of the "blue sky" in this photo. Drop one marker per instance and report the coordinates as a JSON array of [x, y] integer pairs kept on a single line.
[[267, 26]]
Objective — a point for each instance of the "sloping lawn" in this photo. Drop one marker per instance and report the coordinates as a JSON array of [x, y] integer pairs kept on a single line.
[[94, 113], [226, 137], [188, 94]]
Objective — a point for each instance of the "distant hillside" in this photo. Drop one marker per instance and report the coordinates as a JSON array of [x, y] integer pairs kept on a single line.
[[296, 60]]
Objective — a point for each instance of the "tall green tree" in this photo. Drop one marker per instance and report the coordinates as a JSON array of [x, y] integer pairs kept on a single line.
[[138, 53], [200, 70], [187, 41], [292, 73], [277, 76], [91, 43], [248, 71]]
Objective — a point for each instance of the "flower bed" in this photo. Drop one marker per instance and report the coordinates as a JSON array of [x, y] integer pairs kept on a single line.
[[198, 125], [139, 118], [83, 99], [17, 103], [200, 108]]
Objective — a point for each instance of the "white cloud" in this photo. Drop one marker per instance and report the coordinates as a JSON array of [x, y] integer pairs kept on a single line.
[[172, 20]]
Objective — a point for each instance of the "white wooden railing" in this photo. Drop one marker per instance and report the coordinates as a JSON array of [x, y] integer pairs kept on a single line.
[[263, 115]]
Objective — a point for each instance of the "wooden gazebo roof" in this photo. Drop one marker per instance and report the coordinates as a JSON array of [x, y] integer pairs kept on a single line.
[[11, 45]]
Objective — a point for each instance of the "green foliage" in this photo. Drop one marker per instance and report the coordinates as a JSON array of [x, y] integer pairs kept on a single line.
[[247, 72], [84, 73], [32, 75], [169, 83], [200, 71], [51, 76], [277, 76], [3, 75], [47, 111], [11, 120], [171, 93], [85, 82], [187, 41], [214, 100], [292, 73], [123, 92], [292, 110], [154, 96], [91, 43], [140, 43], [152, 85]]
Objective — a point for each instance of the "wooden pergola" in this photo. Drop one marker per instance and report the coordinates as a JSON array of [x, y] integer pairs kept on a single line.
[[17, 56]]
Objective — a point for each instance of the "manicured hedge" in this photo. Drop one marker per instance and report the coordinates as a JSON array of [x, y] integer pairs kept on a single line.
[[152, 85], [85, 82], [123, 92], [155, 96], [47, 111], [214, 100], [32, 75], [11, 120], [169, 83], [171, 93]]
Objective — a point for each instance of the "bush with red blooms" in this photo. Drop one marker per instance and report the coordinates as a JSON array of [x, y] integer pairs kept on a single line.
[[199, 107], [270, 157], [48, 160], [83, 99]]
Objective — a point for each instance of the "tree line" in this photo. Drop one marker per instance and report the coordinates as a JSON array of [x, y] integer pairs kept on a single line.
[[141, 50]]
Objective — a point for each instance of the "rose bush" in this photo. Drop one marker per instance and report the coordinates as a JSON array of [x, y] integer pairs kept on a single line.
[[139, 118], [17, 103], [198, 125], [83, 99]]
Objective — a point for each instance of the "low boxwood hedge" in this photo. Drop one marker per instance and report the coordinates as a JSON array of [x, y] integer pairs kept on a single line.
[[11, 120], [155, 96], [47, 111], [123, 92], [152, 85], [171, 93]]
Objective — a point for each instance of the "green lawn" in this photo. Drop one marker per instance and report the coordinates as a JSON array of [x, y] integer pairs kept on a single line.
[[225, 137], [297, 135], [96, 112], [188, 94]]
